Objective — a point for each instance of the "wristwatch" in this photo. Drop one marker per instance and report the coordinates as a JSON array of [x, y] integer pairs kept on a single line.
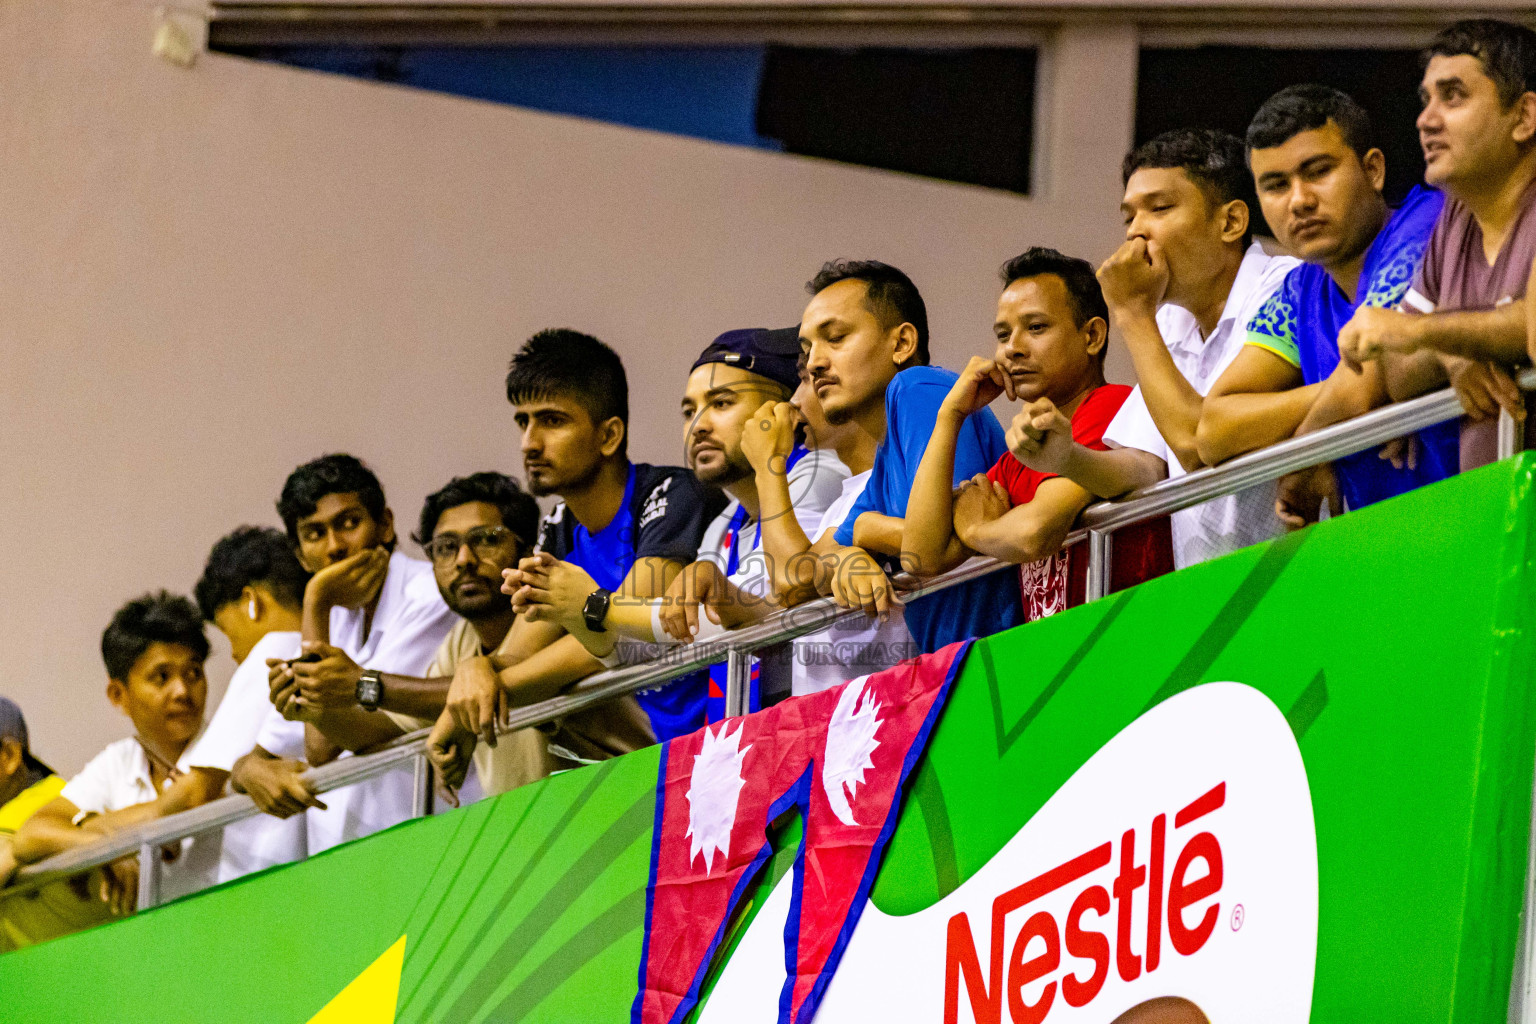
[[596, 609], [370, 690]]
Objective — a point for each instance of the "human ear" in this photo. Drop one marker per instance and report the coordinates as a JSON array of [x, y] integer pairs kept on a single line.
[[1096, 334], [10, 757], [1525, 123], [250, 599], [905, 349], [117, 693], [1234, 221], [1375, 165], [611, 436], [387, 527]]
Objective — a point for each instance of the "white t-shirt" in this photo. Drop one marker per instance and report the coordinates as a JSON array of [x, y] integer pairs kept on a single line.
[[856, 645], [118, 778], [411, 620], [243, 716], [815, 482], [1225, 524]]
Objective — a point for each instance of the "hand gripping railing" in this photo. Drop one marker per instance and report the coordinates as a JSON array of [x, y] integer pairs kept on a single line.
[[1099, 522]]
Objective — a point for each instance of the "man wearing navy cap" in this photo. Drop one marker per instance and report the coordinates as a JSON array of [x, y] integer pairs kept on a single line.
[[738, 374]]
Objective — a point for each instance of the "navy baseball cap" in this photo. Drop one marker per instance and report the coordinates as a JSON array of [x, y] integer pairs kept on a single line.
[[774, 354], [14, 727]]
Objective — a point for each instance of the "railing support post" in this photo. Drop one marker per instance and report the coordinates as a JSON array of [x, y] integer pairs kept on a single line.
[[149, 876], [738, 682], [1510, 439], [1100, 559], [422, 795]]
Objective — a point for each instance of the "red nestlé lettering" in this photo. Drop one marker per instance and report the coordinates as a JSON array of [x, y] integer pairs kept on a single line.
[[1086, 941]]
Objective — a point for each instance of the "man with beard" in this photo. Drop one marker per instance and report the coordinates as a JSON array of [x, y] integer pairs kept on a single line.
[[739, 375], [472, 529], [631, 526]]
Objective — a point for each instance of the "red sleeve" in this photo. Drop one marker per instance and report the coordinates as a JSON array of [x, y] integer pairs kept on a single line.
[[1093, 417], [1003, 470]]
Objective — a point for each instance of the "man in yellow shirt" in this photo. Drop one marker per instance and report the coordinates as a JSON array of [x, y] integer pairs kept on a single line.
[[26, 784]]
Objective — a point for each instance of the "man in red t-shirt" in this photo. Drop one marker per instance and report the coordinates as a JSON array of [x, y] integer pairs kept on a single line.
[[1052, 327]]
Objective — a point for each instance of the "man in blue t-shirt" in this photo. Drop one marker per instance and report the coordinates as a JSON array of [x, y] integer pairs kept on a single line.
[[865, 335], [1319, 179], [632, 527]]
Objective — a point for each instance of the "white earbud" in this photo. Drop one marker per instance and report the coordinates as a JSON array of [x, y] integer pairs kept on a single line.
[[250, 609]]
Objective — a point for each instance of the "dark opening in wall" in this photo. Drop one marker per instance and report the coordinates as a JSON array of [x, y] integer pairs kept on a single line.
[[964, 115], [1222, 87]]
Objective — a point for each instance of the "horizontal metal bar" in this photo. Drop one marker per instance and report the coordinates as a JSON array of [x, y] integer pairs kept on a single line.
[[1325, 445]]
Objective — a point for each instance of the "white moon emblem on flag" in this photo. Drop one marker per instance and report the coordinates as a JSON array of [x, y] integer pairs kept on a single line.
[[714, 788], [851, 747]]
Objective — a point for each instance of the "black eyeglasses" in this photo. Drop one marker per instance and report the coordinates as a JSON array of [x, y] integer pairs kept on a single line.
[[483, 541]]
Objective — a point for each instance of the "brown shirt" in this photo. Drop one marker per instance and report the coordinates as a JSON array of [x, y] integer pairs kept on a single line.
[[1456, 275]]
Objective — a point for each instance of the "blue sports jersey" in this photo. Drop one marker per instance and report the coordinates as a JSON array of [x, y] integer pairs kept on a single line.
[[1301, 322], [675, 708], [984, 606]]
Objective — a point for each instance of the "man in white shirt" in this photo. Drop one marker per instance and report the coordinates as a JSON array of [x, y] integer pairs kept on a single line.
[[252, 590], [154, 650], [472, 529], [373, 603], [1181, 291]]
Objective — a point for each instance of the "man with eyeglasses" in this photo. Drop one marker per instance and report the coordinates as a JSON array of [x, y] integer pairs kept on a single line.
[[471, 529]]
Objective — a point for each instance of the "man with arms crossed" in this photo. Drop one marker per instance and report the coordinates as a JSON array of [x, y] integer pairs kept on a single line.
[[630, 526], [1052, 327], [1478, 130], [1319, 179]]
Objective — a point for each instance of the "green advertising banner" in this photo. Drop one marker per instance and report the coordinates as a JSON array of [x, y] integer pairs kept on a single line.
[[1292, 784]]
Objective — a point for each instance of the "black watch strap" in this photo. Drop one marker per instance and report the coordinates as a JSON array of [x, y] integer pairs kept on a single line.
[[596, 609], [370, 690]]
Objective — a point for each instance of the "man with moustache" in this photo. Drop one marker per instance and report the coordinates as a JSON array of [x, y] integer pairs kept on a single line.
[[1052, 327], [1319, 179], [632, 527], [1463, 318], [865, 335], [472, 530]]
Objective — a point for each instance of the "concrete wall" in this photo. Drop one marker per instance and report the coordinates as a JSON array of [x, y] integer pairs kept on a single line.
[[210, 275]]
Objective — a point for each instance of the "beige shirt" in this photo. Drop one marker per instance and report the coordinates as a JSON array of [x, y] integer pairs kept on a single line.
[[518, 758]]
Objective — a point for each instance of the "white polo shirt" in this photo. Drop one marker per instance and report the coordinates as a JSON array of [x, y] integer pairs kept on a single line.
[[118, 778], [1221, 525], [815, 483], [245, 713], [856, 645], [411, 620]]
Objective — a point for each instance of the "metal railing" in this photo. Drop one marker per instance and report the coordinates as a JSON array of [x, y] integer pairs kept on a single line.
[[1099, 522]]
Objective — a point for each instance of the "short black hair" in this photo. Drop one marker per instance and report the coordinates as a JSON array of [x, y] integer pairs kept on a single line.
[[1507, 52], [329, 474], [1082, 283], [519, 512], [248, 556], [1303, 108], [560, 361], [1213, 159], [159, 617], [888, 293]]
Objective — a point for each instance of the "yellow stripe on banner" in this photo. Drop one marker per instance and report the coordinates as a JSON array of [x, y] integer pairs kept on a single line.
[[370, 997]]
